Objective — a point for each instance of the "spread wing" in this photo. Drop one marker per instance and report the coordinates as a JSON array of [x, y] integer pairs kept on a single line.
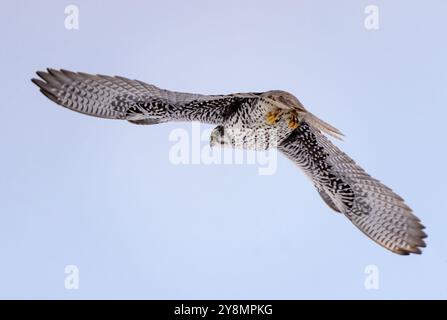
[[371, 206], [140, 103]]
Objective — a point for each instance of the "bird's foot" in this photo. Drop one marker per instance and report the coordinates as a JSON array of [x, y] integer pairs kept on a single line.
[[273, 116], [292, 120]]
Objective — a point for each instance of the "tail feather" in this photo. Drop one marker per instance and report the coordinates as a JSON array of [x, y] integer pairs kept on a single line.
[[323, 126]]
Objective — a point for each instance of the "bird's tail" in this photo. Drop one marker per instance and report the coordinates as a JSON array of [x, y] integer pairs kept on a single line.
[[322, 125]]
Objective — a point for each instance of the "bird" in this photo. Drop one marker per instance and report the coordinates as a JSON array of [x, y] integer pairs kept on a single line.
[[257, 121]]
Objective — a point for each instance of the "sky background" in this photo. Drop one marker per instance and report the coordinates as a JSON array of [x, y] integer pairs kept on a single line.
[[104, 196]]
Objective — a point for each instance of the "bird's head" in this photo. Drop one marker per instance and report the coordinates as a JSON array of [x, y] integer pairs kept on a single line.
[[218, 137], [244, 138]]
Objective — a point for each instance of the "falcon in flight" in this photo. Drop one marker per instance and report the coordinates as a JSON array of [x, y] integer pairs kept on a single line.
[[272, 119]]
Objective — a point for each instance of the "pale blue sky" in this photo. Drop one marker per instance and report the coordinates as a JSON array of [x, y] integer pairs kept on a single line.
[[104, 196]]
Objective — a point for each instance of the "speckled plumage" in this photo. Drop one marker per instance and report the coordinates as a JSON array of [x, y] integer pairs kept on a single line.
[[241, 118]]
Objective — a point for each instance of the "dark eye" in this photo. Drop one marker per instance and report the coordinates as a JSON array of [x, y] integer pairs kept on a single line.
[[220, 130]]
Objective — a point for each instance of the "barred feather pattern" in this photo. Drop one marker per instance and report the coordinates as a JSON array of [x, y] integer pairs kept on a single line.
[[344, 186], [138, 102], [371, 206]]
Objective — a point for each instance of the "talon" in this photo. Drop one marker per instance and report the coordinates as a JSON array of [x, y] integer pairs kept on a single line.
[[292, 121], [273, 117]]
